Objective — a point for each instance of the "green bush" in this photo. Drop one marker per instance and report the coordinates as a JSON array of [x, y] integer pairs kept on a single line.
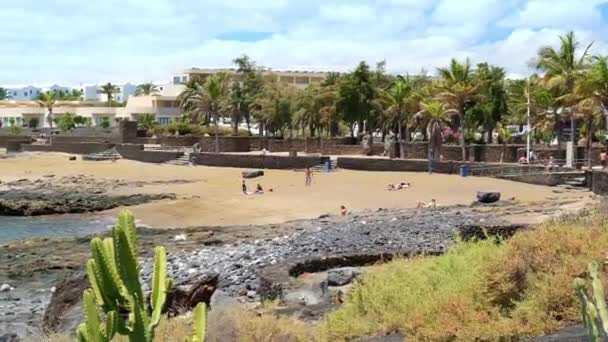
[[105, 122], [66, 122], [33, 122], [479, 291]]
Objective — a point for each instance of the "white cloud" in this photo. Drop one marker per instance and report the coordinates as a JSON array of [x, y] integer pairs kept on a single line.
[[69, 41]]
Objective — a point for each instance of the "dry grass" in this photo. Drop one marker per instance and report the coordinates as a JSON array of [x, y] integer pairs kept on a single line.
[[479, 291]]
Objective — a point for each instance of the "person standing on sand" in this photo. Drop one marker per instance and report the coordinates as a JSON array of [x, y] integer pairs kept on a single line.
[[308, 176], [244, 188]]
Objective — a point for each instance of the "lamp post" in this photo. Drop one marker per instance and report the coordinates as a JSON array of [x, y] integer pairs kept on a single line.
[[528, 118]]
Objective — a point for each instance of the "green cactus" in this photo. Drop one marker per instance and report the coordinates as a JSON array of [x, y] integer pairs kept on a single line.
[[92, 330], [116, 290], [594, 311], [115, 287], [200, 323]]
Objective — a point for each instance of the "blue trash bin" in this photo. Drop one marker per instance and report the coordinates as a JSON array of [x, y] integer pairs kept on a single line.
[[329, 165], [464, 170]]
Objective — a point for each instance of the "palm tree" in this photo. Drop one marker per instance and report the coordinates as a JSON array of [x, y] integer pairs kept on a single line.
[[208, 97], [437, 117], [399, 101], [109, 90], [146, 121], [326, 98], [4, 94], [47, 100], [147, 89], [562, 69], [457, 89], [592, 91], [504, 134]]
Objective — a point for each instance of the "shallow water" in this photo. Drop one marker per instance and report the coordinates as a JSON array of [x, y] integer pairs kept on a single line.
[[14, 228]]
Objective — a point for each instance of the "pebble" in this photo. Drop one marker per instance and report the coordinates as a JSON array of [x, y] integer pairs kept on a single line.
[[5, 288]]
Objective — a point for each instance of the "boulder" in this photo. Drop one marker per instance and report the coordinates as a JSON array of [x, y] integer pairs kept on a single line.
[[5, 288], [252, 174], [342, 276], [488, 197]]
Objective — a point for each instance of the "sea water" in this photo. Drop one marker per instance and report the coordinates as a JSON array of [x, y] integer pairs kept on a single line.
[[15, 228]]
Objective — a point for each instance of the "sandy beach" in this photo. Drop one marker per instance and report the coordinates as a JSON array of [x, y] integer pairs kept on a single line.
[[213, 197]]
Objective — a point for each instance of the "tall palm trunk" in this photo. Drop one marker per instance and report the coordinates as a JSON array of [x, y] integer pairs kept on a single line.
[[401, 142], [589, 142], [51, 125], [462, 141], [217, 128]]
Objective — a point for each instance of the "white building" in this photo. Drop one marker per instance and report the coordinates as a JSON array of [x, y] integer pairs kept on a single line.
[[24, 93]]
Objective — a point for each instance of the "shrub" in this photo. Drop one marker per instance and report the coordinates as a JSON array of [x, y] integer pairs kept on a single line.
[[479, 291], [105, 122], [66, 122], [33, 122], [15, 130]]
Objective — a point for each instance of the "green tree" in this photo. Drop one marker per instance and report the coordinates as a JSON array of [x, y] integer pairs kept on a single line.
[[437, 117], [355, 97], [493, 100], [109, 90], [146, 121], [250, 86], [458, 89], [105, 122], [47, 100], [326, 98], [66, 122], [561, 70], [146, 89], [80, 120], [4, 94], [196, 114], [33, 122], [504, 135], [209, 97], [400, 102]]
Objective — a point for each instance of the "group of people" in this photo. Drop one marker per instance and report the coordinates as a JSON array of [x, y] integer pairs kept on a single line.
[[258, 189], [400, 186]]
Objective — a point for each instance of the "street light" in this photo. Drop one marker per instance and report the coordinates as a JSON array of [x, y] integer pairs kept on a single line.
[[528, 117]]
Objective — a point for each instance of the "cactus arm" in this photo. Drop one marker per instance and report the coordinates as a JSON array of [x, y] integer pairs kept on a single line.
[[594, 331], [111, 325], [599, 296], [81, 333], [107, 276], [126, 260], [91, 316], [93, 280], [126, 220], [159, 283], [141, 331], [579, 286], [200, 323]]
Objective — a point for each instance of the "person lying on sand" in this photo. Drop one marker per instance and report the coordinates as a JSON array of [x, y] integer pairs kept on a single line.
[[259, 190], [432, 204], [400, 186]]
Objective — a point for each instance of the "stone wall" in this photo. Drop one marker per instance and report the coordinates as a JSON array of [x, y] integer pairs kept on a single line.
[[308, 145], [599, 183], [68, 139], [256, 161], [73, 148], [136, 152], [400, 165], [5, 140], [226, 144], [542, 178]]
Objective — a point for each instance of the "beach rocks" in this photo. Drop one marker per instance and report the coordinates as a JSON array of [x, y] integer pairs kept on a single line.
[[43, 202], [342, 276], [5, 288], [488, 197], [252, 174]]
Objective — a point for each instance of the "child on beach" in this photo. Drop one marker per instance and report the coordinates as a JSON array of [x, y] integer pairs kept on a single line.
[[308, 176], [343, 211]]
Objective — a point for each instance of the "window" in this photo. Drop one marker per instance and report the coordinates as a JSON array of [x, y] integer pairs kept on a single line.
[[164, 121], [176, 80], [185, 79], [25, 93]]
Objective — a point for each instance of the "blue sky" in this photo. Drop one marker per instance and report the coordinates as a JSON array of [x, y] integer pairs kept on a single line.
[[74, 41]]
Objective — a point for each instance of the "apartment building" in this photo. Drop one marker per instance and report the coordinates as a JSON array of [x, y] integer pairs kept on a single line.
[[299, 79]]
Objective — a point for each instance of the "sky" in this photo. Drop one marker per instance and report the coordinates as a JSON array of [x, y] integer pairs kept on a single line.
[[73, 41]]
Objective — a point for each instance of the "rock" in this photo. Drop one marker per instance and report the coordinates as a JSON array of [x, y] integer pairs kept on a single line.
[[5, 288], [180, 301], [323, 216], [342, 276], [72, 158], [252, 174], [53, 289], [251, 294], [10, 337], [180, 237], [488, 197]]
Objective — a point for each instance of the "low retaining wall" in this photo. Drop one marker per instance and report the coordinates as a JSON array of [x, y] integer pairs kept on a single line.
[[399, 165], [599, 183], [136, 152], [548, 179], [256, 161], [10, 142], [73, 148]]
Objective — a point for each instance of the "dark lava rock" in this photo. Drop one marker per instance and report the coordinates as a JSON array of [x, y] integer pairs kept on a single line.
[[180, 301], [342, 276], [42, 202], [488, 197], [66, 296], [252, 174], [9, 338]]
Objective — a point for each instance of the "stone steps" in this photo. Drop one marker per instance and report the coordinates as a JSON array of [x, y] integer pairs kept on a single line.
[[110, 154], [181, 161]]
